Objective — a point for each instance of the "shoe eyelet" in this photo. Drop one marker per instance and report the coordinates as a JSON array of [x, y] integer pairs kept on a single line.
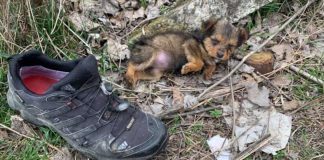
[[85, 143], [56, 120], [65, 130]]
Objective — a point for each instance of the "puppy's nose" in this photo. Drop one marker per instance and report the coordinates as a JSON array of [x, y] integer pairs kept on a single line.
[[220, 55]]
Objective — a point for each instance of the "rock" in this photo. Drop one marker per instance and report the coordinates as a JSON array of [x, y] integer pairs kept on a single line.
[[189, 15]]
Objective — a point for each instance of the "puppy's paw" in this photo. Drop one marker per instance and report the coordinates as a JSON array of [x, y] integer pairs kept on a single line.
[[208, 75], [185, 69], [130, 81]]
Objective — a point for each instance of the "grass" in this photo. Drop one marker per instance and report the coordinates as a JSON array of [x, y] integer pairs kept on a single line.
[[19, 30]]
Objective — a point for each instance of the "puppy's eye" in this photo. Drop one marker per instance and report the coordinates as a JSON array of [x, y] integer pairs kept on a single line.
[[214, 41]]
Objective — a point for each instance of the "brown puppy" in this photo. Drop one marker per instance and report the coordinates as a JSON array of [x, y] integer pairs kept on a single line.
[[172, 51]]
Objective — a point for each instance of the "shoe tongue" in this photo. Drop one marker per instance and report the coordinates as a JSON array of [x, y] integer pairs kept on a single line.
[[84, 71]]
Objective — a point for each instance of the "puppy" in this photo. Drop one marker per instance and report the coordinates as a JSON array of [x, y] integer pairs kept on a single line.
[[164, 52]]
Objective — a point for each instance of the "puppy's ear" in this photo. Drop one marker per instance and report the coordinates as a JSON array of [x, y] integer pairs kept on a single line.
[[243, 36], [208, 25]]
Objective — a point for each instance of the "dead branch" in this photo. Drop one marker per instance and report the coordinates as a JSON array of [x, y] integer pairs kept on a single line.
[[190, 113], [317, 100], [254, 147], [306, 75]]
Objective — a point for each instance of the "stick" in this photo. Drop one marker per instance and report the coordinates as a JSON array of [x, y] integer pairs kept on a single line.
[[317, 100], [306, 75], [262, 45], [190, 113], [254, 147]]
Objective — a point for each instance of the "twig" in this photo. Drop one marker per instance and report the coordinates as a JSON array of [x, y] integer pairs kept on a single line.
[[81, 39], [317, 100], [254, 147], [30, 138], [306, 75], [274, 86], [262, 45], [233, 108], [190, 113], [318, 156], [58, 16], [180, 107], [34, 22]]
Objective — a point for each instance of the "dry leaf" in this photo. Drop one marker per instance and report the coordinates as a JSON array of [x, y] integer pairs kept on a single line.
[[140, 13], [283, 51], [220, 147], [66, 155], [290, 105], [3, 134], [117, 51], [110, 7], [81, 22], [152, 12], [157, 108], [259, 96], [281, 80], [190, 101], [178, 97], [18, 124], [253, 121]]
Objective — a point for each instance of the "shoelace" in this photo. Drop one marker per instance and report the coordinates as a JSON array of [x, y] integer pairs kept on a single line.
[[107, 90], [111, 98]]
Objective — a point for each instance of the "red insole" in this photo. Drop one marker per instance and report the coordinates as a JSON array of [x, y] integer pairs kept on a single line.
[[38, 84]]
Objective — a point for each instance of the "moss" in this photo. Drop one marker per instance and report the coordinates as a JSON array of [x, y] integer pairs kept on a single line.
[[160, 24]]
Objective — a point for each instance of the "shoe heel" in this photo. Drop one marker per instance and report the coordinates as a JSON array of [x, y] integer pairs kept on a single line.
[[15, 105]]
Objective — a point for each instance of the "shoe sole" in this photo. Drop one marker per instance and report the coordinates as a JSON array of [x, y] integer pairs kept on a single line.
[[18, 106]]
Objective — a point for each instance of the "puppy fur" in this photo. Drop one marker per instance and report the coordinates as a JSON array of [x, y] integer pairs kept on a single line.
[[171, 51]]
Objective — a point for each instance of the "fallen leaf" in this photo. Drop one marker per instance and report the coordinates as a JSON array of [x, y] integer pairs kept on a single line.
[[131, 5], [220, 147], [178, 97], [190, 101], [253, 122], [152, 12], [157, 108], [117, 51], [290, 105], [259, 96], [3, 134], [18, 124], [140, 13], [81, 22], [283, 51], [281, 80], [110, 7], [66, 155]]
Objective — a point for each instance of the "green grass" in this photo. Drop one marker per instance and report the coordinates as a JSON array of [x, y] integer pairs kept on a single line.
[[43, 32], [216, 113]]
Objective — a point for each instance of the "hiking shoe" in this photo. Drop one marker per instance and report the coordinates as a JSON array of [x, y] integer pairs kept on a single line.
[[70, 98]]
